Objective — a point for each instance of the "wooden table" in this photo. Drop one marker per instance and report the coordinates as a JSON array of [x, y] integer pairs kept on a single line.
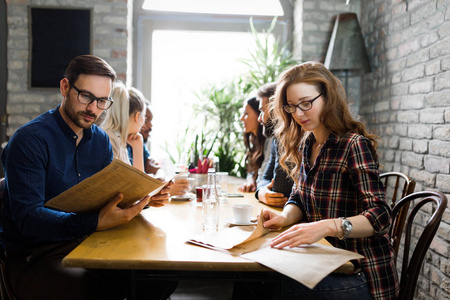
[[153, 246], [156, 240]]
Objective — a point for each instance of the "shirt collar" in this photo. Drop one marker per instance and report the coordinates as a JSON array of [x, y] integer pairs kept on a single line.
[[87, 133], [332, 139]]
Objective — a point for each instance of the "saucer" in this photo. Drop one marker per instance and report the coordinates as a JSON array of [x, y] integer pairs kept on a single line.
[[185, 197], [232, 222]]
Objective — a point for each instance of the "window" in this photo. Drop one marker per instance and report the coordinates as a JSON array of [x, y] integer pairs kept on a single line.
[[179, 54]]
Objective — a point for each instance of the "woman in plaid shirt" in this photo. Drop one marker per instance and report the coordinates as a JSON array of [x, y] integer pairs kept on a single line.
[[338, 193]]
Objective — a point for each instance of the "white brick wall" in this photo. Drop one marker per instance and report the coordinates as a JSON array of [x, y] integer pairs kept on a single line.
[[413, 53], [109, 42]]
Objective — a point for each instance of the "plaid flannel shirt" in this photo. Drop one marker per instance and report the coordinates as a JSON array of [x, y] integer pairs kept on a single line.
[[344, 182]]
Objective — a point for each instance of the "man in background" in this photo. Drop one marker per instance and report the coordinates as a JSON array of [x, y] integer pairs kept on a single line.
[[275, 186]]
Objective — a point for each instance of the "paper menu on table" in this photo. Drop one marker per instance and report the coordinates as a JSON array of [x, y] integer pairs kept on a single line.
[[94, 192], [231, 237], [307, 264]]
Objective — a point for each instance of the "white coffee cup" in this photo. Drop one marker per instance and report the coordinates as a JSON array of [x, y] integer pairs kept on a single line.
[[242, 213]]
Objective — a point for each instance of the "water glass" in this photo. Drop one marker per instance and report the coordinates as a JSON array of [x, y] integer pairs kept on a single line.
[[210, 210], [222, 186]]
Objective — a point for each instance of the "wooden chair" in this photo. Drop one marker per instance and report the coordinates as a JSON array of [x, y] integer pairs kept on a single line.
[[397, 186], [411, 265], [5, 286]]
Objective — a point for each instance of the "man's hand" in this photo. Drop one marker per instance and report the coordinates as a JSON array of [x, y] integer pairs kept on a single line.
[[180, 187], [162, 198], [266, 195], [151, 167], [111, 215]]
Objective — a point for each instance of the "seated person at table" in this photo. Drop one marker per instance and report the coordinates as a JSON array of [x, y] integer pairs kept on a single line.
[[258, 149], [122, 124], [150, 165], [45, 157], [275, 185], [180, 187], [338, 194]]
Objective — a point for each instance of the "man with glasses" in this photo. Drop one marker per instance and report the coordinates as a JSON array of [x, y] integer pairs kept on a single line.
[[45, 157]]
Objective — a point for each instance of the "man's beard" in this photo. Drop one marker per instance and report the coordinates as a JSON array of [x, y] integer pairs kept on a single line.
[[268, 128], [77, 117]]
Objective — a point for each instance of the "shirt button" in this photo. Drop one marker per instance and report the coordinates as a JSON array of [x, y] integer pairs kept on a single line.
[[75, 137], [79, 174]]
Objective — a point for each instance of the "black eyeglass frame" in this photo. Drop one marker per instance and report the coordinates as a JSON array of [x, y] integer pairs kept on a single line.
[[287, 107], [108, 101]]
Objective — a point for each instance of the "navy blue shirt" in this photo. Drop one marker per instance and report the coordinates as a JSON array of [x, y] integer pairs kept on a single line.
[[40, 162], [282, 182], [130, 154]]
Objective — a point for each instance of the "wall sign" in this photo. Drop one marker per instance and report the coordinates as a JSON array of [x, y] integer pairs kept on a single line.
[[56, 36]]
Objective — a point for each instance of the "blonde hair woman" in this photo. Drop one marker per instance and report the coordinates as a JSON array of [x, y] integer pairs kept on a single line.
[[122, 124]]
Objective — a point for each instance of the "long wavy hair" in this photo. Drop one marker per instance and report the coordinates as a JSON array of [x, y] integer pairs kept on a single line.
[[335, 115], [254, 143]]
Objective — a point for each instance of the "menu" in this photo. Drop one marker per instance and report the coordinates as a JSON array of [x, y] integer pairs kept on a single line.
[[96, 191], [308, 264]]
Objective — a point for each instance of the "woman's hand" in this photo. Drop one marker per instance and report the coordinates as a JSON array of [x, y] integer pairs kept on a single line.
[[135, 140], [303, 233], [247, 188], [273, 221]]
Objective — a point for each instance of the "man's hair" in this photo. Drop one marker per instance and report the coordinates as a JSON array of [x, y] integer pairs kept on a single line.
[[89, 65], [267, 90]]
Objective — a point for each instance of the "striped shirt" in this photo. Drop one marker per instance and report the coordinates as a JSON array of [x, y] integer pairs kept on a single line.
[[344, 182]]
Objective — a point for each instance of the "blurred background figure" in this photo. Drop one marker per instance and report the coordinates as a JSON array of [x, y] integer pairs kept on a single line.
[[258, 151], [122, 123], [275, 185], [151, 167]]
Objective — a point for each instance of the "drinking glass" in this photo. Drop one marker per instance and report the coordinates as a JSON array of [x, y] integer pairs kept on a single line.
[[222, 186]]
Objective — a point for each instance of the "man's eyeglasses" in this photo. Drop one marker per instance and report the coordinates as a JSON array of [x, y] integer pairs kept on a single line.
[[87, 98], [303, 106]]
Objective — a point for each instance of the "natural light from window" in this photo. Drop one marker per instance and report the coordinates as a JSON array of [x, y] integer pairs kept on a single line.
[[184, 62], [223, 7]]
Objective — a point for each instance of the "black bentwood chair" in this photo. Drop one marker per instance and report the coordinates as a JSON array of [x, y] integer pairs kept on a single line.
[[5, 286], [397, 186], [411, 265]]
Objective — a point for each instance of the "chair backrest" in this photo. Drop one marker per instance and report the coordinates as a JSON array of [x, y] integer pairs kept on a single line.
[[411, 265], [5, 286], [397, 186]]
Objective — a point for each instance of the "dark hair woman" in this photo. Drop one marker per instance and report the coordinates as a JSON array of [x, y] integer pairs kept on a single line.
[[254, 142]]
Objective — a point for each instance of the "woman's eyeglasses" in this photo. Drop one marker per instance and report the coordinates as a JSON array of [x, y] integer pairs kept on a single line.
[[303, 106]]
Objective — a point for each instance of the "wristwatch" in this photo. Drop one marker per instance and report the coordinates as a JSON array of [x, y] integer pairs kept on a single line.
[[347, 227]]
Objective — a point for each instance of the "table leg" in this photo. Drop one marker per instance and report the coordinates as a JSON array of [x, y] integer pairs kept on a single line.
[[133, 285]]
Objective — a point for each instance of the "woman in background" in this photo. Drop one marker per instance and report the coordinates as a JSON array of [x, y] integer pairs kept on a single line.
[[254, 140], [122, 124], [338, 193]]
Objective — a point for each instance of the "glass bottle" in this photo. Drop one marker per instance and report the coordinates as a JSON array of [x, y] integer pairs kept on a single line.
[[210, 204]]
